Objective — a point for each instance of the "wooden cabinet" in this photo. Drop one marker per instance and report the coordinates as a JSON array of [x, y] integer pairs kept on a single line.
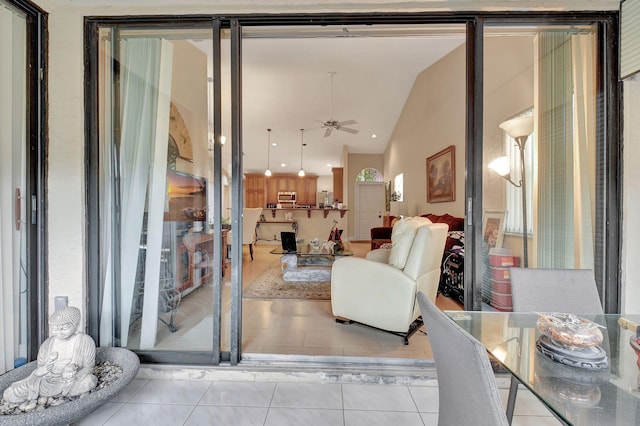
[[304, 187], [272, 190], [255, 191], [337, 184]]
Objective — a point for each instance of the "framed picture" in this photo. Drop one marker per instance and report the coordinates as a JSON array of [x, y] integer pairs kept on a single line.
[[493, 228], [441, 176]]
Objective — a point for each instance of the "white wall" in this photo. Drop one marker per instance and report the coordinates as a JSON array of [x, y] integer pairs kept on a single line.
[[432, 119], [65, 179]]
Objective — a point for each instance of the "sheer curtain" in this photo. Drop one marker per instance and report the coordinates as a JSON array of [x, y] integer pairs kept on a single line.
[[12, 176], [146, 90], [563, 226]]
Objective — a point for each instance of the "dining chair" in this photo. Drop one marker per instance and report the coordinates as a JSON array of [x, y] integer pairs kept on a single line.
[[571, 291], [554, 290], [467, 388], [250, 218]]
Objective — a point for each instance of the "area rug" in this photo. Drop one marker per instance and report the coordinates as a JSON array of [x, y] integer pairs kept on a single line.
[[270, 285]]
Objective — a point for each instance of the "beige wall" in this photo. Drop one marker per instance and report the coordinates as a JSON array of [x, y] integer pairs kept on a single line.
[[432, 119], [65, 81], [189, 95], [508, 90]]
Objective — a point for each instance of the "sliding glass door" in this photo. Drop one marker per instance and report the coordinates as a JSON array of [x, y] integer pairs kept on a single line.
[[21, 228], [543, 154], [163, 248], [193, 111]]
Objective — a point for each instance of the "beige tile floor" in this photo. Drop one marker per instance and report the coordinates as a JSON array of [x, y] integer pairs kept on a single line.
[[280, 403], [297, 327]]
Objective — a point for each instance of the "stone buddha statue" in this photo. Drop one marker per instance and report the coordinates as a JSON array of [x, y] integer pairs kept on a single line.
[[65, 362]]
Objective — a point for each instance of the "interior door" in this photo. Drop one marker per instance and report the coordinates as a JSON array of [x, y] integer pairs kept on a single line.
[[369, 208]]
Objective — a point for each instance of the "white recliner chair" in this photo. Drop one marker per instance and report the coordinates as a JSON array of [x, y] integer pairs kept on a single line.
[[380, 291]]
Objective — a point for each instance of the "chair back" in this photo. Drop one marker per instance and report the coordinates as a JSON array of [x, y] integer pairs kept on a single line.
[[426, 250], [424, 260], [554, 290], [468, 393], [250, 218]]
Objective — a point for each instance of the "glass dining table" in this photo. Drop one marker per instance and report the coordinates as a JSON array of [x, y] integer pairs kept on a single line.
[[589, 394]]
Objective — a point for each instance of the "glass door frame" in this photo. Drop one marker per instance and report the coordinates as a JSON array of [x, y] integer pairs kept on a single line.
[[607, 230], [608, 219], [36, 171]]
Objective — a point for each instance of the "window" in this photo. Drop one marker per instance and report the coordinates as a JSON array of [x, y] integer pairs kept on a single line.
[[369, 175], [398, 188]]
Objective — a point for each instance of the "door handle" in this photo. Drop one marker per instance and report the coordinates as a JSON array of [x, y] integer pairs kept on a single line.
[[18, 211]]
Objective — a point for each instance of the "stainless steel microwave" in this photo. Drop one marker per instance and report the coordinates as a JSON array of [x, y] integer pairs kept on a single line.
[[286, 197]]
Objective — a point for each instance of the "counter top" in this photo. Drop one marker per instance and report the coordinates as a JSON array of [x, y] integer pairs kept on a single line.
[[309, 210]]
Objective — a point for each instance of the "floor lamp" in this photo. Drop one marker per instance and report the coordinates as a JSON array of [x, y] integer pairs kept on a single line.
[[519, 129]]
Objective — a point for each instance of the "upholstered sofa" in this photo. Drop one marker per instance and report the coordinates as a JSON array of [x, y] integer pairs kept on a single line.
[[380, 290], [382, 235]]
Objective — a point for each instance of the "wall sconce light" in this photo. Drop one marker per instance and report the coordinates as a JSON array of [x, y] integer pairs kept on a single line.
[[267, 172], [519, 128], [301, 171]]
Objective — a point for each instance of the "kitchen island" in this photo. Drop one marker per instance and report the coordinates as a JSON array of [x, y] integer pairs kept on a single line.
[[308, 223]]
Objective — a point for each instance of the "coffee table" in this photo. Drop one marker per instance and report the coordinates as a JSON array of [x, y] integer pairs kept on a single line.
[[306, 264]]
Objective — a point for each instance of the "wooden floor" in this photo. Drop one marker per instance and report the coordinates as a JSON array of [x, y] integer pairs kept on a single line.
[[281, 326]]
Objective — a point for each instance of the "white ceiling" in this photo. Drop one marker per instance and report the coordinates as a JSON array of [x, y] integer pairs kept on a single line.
[[286, 87]]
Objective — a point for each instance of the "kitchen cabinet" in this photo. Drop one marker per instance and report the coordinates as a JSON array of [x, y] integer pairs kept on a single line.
[[337, 184], [255, 190], [304, 187]]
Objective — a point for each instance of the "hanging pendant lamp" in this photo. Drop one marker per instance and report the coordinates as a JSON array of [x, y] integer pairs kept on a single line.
[[267, 172], [301, 171]]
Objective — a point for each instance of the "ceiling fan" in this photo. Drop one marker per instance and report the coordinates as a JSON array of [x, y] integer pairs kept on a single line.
[[331, 124]]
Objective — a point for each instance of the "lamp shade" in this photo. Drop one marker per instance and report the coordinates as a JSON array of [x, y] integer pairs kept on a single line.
[[518, 127], [398, 208]]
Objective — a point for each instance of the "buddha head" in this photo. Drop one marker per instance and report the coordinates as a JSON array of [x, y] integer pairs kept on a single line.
[[64, 322]]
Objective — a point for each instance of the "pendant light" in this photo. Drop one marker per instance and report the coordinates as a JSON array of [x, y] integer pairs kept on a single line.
[[267, 172], [301, 171]]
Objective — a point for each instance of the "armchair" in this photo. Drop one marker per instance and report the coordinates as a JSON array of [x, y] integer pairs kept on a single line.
[[380, 290]]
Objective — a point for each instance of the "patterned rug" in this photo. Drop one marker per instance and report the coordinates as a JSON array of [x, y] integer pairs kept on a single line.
[[270, 285]]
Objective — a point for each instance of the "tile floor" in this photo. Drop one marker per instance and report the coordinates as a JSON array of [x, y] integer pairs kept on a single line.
[[161, 402], [283, 327]]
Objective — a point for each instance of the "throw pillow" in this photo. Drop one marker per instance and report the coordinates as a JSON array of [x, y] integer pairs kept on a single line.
[[402, 238]]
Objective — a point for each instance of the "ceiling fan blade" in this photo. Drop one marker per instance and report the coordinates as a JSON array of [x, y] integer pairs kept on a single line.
[[346, 123], [327, 132], [348, 130]]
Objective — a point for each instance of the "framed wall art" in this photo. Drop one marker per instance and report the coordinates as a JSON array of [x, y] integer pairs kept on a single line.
[[493, 228], [441, 176]]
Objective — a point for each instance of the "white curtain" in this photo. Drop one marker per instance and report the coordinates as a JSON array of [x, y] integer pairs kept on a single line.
[[565, 109], [584, 177], [144, 135], [12, 176]]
